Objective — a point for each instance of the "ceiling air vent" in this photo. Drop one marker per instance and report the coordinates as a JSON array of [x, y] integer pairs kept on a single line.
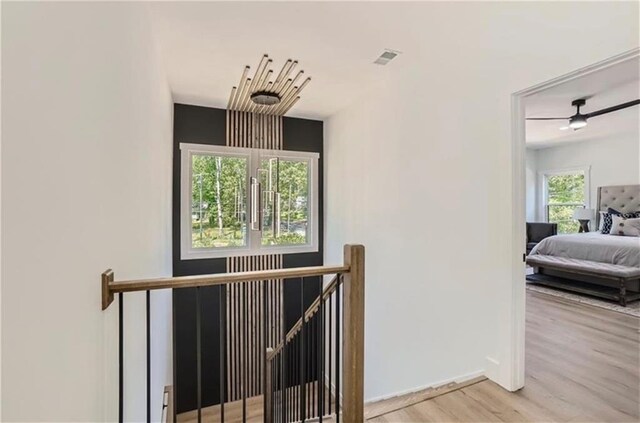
[[386, 57]]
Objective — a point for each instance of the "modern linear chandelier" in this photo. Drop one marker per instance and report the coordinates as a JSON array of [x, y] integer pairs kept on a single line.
[[264, 95]]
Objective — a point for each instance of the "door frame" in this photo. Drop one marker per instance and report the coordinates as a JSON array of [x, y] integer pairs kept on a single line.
[[518, 233]]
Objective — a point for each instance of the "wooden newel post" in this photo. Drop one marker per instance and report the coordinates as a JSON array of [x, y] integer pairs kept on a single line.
[[353, 337], [268, 393]]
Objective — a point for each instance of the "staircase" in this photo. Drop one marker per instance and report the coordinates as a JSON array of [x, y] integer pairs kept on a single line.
[[314, 372]]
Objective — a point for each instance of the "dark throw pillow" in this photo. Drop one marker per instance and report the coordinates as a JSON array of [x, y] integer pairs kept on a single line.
[[607, 221]]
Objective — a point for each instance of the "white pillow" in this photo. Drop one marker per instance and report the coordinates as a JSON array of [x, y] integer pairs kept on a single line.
[[625, 226]]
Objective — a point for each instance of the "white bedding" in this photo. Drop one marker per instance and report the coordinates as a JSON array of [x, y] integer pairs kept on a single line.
[[593, 246]]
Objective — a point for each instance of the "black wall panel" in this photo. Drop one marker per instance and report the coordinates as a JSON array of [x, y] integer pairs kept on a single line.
[[204, 125]]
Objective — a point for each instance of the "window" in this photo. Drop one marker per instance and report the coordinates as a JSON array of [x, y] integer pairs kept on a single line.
[[564, 191], [241, 201]]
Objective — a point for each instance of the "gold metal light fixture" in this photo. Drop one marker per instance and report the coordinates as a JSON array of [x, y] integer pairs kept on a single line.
[[263, 94]]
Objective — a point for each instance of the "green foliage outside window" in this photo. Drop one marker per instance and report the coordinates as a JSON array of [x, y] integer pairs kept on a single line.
[[219, 201], [565, 193], [293, 185]]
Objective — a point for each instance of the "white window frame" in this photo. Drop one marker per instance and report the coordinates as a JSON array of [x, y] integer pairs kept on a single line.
[[543, 177], [253, 239]]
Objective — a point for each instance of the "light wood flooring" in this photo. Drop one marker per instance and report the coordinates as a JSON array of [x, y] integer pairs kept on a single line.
[[254, 408], [582, 365]]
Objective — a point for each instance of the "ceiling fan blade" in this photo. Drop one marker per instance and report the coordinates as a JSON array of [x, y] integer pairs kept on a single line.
[[612, 109], [555, 118]]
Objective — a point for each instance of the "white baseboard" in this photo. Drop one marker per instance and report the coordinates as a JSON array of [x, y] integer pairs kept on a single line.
[[433, 385], [493, 368]]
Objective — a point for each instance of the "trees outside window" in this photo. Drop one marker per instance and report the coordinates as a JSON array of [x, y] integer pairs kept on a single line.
[[564, 193], [218, 193], [218, 201]]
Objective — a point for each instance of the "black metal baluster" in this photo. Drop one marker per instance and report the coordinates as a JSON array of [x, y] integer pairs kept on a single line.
[[230, 308], [309, 380], [294, 380], [120, 358], [233, 359], [250, 340], [314, 363], [278, 388], [276, 409], [310, 367], [321, 381], [272, 315], [284, 365], [286, 388], [234, 344], [300, 382], [288, 378], [175, 366], [238, 329], [274, 383], [254, 330], [302, 363], [148, 316], [199, 354], [223, 346], [330, 315], [338, 317], [245, 326], [263, 345], [290, 381]]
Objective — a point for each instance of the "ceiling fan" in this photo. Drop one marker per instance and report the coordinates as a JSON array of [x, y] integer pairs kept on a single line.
[[579, 120]]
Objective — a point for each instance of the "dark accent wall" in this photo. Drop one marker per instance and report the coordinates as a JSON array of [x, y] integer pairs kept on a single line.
[[204, 125]]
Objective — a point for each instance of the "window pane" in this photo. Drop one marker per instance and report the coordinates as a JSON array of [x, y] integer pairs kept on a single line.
[[293, 186], [566, 188], [218, 192], [269, 183], [565, 193], [563, 216]]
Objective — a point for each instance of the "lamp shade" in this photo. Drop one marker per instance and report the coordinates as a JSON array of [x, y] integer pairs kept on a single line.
[[581, 213]]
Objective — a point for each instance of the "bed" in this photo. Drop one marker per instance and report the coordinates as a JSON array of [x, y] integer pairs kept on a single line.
[[602, 265]]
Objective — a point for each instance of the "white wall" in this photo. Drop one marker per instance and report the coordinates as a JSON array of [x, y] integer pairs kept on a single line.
[[86, 177], [419, 171], [531, 183], [613, 161]]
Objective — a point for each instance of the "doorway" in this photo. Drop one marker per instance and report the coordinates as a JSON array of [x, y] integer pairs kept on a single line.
[[521, 211]]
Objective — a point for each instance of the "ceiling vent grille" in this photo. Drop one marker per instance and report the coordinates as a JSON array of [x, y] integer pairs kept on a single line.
[[386, 57]]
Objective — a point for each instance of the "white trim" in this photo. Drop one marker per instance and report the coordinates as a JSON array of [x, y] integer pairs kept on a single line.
[[515, 370], [458, 379], [253, 239]]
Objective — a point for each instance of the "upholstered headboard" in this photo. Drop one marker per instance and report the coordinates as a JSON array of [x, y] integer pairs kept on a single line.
[[624, 198]]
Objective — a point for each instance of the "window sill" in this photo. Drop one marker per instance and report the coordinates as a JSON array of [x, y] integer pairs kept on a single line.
[[239, 252]]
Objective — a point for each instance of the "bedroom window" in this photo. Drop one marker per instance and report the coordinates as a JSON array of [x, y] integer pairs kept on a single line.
[[564, 192], [241, 201]]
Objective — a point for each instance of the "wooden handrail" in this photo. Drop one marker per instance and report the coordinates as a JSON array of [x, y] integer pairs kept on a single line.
[[350, 275], [111, 287], [311, 310]]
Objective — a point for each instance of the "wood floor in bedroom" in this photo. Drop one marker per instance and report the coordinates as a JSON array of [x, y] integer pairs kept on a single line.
[[583, 365]]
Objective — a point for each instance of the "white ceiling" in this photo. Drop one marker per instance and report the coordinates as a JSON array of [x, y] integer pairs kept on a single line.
[[205, 47], [606, 88]]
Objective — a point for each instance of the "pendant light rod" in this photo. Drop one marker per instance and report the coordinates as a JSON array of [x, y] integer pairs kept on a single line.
[[261, 94]]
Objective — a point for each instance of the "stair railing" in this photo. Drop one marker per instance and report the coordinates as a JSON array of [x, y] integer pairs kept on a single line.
[[330, 334]]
